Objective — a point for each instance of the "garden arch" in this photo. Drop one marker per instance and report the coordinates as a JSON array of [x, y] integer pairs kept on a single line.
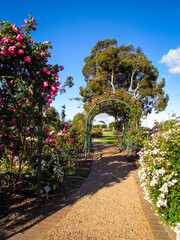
[[88, 125]]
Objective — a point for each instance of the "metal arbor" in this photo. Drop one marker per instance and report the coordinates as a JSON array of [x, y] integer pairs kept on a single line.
[[88, 126]]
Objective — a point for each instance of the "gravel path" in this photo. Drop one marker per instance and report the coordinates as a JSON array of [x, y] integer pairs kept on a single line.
[[110, 207]]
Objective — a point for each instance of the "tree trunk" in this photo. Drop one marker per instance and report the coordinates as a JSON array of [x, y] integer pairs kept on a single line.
[[112, 81]]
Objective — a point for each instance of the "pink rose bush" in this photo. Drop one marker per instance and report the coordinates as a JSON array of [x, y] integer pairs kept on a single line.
[[26, 78]]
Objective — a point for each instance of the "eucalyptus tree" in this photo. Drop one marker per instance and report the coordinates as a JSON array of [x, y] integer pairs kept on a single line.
[[111, 67]]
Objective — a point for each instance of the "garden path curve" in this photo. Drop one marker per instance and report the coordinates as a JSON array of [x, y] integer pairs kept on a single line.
[[109, 205]]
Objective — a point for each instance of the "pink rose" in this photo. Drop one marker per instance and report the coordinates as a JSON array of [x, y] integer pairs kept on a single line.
[[10, 135], [53, 136], [61, 68], [58, 84], [46, 128], [45, 69], [7, 40], [27, 59], [19, 37], [1, 147], [11, 49], [20, 51], [3, 49], [26, 21], [15, 159], [42, 54], [47, 106], [53, 88], [33, 20], [28, 132], [15, 28], [32, 40], [45, 84], [47, 140], [49, 100], [56, 77]]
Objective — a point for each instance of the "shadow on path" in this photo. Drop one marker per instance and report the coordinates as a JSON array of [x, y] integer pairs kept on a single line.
[[109, 167]]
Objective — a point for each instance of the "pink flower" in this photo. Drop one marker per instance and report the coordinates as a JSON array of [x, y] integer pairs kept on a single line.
[[26, 21], [3, 50], [28, 132], [12, 121], [15, 159], [45, 84], [56, 143], [52, 87], [56, 77], [42, 94], [70, 141], [33, 20], [61, 68], [27, 59], [15, 28], [49, 100], [20, 51], [47, 140], [10, 135], [19, 37], [42, 54], [45, 69], [58, 84], [11, 49], [53, 136], [1, 147], [7, 40], [46, 128], [34, 28], [32, 40], [47, 106]]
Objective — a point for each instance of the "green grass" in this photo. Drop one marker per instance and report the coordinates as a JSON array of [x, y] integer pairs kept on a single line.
[[109, 138], [80, 172]]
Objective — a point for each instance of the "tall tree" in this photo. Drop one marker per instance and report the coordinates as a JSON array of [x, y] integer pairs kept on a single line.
[[110, 67]]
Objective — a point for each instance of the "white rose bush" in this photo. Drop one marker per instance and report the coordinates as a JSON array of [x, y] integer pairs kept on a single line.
[[160, 174]]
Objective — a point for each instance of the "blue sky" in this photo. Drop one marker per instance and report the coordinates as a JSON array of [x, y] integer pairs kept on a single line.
[[74, 27]]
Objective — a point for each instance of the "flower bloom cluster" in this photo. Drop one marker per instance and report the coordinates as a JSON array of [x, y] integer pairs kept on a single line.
[[26, 79], [159, 173]]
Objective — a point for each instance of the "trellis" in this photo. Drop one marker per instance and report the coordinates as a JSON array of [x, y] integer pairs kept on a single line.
[[91, 116]]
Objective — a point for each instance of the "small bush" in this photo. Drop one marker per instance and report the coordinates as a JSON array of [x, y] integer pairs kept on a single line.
[[96, 133]]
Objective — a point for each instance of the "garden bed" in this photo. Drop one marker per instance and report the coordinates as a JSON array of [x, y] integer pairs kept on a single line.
[[21, 210]]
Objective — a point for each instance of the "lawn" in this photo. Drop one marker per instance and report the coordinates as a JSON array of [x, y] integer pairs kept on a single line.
[[109, 138]]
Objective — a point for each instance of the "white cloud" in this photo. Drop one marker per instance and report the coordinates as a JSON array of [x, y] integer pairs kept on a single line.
[[172, 60]]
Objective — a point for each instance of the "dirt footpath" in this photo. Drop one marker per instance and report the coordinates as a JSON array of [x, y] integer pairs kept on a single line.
[[110, 207]]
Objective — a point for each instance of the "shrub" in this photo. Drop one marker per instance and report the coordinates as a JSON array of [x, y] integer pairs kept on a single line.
[[160, 174], [96, 133]]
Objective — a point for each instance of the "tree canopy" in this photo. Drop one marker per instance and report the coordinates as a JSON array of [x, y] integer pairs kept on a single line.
[[111, 67]]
